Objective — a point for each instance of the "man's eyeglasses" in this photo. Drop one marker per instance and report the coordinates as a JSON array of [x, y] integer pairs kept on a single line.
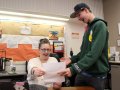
[[45, 50]]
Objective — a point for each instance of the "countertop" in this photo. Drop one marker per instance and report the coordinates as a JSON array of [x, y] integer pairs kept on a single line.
[[114, 62], [11, 74]]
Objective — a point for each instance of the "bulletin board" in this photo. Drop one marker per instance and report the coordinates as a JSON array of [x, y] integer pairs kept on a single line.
[[20, 39], [14, 28]]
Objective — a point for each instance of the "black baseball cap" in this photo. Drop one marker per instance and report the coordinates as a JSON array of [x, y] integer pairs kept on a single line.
[[78, 8]]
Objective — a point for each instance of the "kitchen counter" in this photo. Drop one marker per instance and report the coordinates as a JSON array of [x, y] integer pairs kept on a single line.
[[18, 76], [114, 62], [3, 74]]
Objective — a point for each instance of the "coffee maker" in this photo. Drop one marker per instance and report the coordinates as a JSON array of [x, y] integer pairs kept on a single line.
[[2, 60]]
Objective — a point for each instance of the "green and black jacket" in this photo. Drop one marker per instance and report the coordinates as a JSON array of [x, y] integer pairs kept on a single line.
[[93, 57]]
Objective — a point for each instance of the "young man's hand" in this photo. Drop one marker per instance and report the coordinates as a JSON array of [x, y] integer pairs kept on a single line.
[[65, 72]]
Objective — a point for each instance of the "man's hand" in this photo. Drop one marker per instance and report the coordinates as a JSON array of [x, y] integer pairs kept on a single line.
[[38, 72], [66, 72]]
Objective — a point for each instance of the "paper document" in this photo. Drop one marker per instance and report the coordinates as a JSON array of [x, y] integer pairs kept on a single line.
[[52, 70]]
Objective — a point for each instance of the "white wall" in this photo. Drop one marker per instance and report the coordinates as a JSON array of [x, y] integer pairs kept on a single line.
[[54, 7], [71, 42]]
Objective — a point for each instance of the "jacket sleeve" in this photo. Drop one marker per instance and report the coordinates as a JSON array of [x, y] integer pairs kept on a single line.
[[75, 58], [30, 66]]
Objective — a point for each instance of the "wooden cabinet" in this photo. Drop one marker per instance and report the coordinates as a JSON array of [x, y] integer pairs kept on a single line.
[[115, 77]]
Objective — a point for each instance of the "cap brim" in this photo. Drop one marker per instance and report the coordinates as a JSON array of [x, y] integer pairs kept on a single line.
[[73, 15]]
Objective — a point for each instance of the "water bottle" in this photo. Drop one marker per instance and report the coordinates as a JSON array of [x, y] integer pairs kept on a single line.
[[12, 67]]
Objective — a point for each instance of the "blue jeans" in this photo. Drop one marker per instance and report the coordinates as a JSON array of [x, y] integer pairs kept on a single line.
[[84, 79]]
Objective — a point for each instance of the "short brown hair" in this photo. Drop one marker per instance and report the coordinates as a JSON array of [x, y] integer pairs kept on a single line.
[[43, 41]]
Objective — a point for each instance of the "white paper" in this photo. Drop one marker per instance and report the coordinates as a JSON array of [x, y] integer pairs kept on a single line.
[[12, 42], [25, 40], [25, 30], [52, 70], [112, 50], [75, 35]]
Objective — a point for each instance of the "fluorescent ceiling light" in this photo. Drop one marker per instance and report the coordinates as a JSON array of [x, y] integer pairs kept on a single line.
[[31, 20], [34, 15]]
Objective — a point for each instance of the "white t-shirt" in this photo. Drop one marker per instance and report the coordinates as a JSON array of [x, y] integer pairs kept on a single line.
[[35, 62]]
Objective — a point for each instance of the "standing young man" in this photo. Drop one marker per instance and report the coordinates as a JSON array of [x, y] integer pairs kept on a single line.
[[91, 63]]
